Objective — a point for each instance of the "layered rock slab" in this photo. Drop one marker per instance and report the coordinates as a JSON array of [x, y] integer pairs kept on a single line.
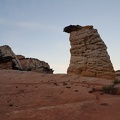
[[89, 56]]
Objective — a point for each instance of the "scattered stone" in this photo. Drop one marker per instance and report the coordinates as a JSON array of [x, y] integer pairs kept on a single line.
[[68, 87], [10, 105], [56, 84], [91, 90], [104, 104], [64, 83], [8, 101], [76, 90], [61, 92]]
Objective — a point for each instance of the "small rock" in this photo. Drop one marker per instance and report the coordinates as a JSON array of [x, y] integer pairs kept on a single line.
[[64, 83], [56, 84], [68, 87], [76, 90], [10, 105], [104, 104]]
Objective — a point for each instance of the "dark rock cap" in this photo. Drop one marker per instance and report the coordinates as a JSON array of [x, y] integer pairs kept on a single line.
[[72, 28]]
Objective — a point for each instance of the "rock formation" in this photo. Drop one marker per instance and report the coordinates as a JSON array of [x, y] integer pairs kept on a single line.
[[32, 64], [117, 74], [8, 60], [89, 56]]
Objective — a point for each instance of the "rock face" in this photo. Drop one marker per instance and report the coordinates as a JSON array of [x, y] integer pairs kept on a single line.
[[89, 56], [117, 74], [32, 64], [8, 60]]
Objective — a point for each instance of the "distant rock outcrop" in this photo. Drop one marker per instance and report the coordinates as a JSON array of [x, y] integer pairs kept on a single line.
[[32, 64], [89, 56], [8, 60]]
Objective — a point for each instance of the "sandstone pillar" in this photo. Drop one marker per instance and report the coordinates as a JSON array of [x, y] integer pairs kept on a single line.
[[89, 56]]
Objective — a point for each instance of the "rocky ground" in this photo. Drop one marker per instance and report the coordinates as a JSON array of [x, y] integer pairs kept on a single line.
[[36, 96]]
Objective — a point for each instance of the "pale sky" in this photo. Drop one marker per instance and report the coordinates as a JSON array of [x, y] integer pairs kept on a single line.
[[34, 28]]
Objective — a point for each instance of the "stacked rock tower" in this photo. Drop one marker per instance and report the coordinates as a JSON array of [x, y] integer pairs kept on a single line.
[[89, 56]]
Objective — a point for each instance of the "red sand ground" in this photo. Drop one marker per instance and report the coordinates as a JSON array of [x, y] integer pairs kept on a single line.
[[35, 96]]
